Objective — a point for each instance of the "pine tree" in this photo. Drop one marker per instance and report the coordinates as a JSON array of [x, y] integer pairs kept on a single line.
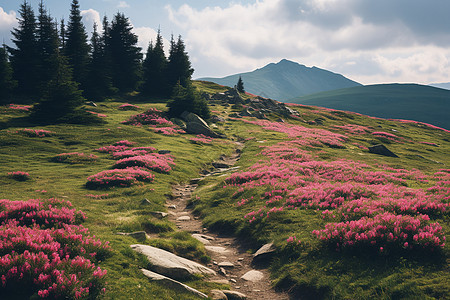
[[126, 56], [62, 35], [24, 58], [154, 70], [47, 46], [179, 67], [99, 83], [62, 96], [7, 84], [187, 99], [76, 47], [240, 85]]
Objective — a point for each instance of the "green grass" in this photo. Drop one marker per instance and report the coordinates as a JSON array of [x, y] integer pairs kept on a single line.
[[314, 271]]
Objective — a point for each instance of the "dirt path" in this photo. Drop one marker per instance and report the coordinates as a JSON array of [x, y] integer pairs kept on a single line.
[[229, 258]]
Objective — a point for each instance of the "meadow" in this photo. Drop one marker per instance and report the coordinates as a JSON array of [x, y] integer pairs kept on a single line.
[[345, 223]]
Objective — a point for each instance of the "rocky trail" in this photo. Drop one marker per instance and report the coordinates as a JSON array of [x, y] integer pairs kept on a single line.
[[233, 265]]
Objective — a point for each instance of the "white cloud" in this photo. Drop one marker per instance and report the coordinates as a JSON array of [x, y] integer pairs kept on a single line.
[[7, 22], [372, 41], [147, 34], [123, 4], [89, 17]]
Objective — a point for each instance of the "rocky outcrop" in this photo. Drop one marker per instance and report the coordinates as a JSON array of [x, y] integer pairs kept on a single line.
[[264, 254], [196, 125], [171, 265], [171, 283], [382, 150]]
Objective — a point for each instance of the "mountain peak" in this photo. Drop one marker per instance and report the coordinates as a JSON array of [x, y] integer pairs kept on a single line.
[[287, 79]]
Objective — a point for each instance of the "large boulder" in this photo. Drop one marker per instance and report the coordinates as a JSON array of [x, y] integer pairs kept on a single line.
[[171, 265], [196, 125], [171, 283], [382, 150]]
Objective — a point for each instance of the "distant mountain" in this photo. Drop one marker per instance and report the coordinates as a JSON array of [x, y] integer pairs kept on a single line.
[[286, 80], [443, 85], [397, 101]]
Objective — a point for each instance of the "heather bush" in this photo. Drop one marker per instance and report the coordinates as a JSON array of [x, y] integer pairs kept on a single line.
[[128, 106], [35, 132], [157, 162], [118, 178], [43, 253], [19, 175]]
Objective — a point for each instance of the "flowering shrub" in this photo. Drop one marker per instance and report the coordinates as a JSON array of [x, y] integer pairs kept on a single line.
[[111, 149], [124, 143], [44, 254], [45, 213], [133, 152], [19, 175], [168, 130], [128, 106], [385, 232], [153, 161], [19, 107], [386, 135], [35, 132], [118, 177], [97, 114], [201, 139], [353, 129], [74, 158], [152, 116]]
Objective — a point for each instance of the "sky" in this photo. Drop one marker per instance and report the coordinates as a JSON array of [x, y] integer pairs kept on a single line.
[[369, 41]]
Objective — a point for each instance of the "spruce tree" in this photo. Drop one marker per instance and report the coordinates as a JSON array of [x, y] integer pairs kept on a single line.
[[62, 35], [62, 96], [240, 85], [187, 99], [99, 83], [7, 84], [76, 47], [24, 57], [47, 46], [179, 67], [126, 56], [154, 70]]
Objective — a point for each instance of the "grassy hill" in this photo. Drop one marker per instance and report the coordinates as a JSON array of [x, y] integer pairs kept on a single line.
[[345, 223], [397, 101], [285, 80]]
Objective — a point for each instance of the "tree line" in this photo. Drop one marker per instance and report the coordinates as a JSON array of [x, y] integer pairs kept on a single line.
[[56, 65]]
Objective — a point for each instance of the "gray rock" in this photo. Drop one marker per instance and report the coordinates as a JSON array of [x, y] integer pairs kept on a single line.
[[139, 235], [171, 265], [253, 276], [164, 151], [184, 218], [217, 249], [218, 295], [226, 264], [381, 150], [201, 239], [264, 253], [220, 165], [222, 271], [159, 214], [233, 295], [171, 283]]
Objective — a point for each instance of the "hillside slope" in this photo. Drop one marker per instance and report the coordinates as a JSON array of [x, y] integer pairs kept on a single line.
[[396, 101], [286, 79]]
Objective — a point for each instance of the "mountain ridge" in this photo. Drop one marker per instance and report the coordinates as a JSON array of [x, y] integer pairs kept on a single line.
[[285, 80], [392, 101]]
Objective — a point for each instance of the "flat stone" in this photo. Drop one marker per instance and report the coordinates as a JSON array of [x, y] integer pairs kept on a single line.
[[253, 276], [206, 237], [171, 265], [159, 214], [218, 295], [172, 284], [226, 264], [233, 295], [173, 206], [199, 238], [184, 218], [218, 249], [139, 235], [221, 281]]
